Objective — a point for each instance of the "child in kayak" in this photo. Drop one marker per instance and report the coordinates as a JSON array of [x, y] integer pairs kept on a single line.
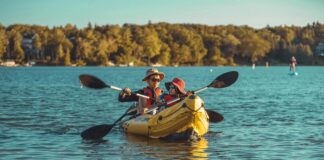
[[176, 89]]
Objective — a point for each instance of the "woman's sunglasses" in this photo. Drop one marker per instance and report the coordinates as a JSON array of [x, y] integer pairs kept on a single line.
[[155, 80]]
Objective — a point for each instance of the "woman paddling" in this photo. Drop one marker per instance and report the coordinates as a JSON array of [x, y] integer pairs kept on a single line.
[[293, 63], [153, 78]]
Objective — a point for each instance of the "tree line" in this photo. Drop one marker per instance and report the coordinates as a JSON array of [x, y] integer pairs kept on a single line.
[[162, 43]]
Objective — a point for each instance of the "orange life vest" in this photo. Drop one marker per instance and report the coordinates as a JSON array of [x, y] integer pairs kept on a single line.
[[148, 91], [168, 98]]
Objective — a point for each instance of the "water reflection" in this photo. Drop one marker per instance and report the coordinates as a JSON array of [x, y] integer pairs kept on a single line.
[[161, 149]]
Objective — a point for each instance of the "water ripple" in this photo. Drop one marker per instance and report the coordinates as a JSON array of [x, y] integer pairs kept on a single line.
[[268, 114]]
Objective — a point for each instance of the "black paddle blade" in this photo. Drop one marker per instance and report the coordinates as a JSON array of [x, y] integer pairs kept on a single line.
[[214, 116], [91, 81], [96, 132], [224, 80]]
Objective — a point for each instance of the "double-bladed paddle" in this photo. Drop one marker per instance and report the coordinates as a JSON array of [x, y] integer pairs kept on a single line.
[[99, 131]]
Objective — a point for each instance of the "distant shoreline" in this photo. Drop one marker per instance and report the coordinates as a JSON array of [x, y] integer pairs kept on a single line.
[[161, 44], [259, 66]]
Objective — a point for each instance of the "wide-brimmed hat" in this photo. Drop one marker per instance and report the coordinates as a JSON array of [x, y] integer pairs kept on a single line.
[[153, 71], [177, 82]]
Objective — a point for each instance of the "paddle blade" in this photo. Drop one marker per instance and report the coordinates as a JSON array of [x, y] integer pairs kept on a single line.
[[91, 81], [214, 116], [96, 132], [224, 80]]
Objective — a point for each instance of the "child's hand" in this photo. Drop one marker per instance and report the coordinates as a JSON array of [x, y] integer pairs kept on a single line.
[[189, 93]]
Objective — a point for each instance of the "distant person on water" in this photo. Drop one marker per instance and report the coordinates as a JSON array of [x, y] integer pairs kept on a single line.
[[153, 78], [293, 63]]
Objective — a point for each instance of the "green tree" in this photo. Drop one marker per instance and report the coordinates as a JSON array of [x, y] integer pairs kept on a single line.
[[304, 54], [83, 52], [125, 49], [18, 52], [44, 38], [214, 54], [54, 45], [164, 57], [307, 36], [102, 53], [269, 36], [3, 42], [229, 47], [180, 54], [191, 45], [319, 33], [37, 44], [67, 47], [113, 33], [151, 44], [60, 55], [198, 50], [67, 58], [286, 34], [253, 47], [214, 57]]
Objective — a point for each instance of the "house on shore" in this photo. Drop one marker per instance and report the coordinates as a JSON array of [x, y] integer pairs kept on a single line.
[[27, 45], [9, 63], [320, 49]]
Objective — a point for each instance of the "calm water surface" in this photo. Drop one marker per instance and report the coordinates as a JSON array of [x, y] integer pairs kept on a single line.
[[268, 114]]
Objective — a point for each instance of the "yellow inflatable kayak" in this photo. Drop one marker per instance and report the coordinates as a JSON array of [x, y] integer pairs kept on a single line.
[[184, 120]]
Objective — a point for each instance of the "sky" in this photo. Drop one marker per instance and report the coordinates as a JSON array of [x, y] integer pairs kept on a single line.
[[254, 13]]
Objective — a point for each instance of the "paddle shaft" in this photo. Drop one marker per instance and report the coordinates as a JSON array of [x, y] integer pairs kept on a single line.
[[177, 99], [119, 89], [195, 92], [200, 90]]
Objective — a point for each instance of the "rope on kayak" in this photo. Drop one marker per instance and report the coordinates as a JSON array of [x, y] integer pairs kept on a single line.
[[184, 105]]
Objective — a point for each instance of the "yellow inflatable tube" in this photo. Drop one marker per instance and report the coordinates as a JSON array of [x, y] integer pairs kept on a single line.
[[187, 115]]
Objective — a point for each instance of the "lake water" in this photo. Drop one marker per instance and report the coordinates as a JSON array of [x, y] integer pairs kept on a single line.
[[268, 114]]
